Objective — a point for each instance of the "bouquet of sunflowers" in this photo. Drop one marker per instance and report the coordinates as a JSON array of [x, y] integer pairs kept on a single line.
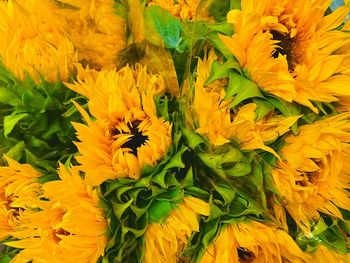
[[163, 131]]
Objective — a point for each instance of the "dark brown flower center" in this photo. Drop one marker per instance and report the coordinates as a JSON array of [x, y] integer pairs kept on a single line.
[[284, 47], [244, 255], [137, 139]]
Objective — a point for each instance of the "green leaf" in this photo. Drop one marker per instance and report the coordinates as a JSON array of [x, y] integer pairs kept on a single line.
[[222, 27], [227, 193], [36, 162], [48, 178], [258, 176], [235, 4], [288, 109], [199, 241], [173, 195], [216, 211], [228, 163], [167, 26], [159, 211], [70, 112], [10, 122], [174, 162], [16, 151], [239, 169], [216, 42], [193, 32], [219, 9], [263, 108], [320, 227], [268, 181], [33, 99], [220, 71], [9, 97], [119, 209], [5, 259], [326, 232], [243, 88], [162, 107], [242, 207], [55, 127], [196, 191], [188, 179], [194, 140], [210, 234]]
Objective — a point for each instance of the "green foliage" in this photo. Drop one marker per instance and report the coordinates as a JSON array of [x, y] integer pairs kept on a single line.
[[327, 231], [168, 27], [239, 184], [132, 204], [240, 88], [7, 253], [219, 9], [5, 259], [35, 121]]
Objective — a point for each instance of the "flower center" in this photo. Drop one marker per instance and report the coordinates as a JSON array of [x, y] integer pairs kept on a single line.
[[310, 177], [59, 232], [137, 139], [244, 255], [284, 47]]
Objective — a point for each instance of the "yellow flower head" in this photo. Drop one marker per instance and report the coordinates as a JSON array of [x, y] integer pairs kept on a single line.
[[253, 242], [127, 134], [315, 172], [325, 255], [221, 124], [95, 29], [184, 9], [18, 192], [166, 241], [69, 227], [291, 50], [32, 40]]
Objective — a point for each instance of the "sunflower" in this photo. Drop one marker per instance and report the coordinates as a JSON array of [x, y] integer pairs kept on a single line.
[[57, 231], [315, 173], [326, 255], [291, 50], [220, 124], [184, 9], [343, 105], [32, 40], [127, 135], [166, 241], [95, 29], [18, 192], [253, 241]]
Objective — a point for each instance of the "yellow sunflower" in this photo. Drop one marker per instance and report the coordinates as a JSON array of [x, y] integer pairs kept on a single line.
[[343, 105], [291, 50], [32, 40], [18, 192], [253, 241], [325, 255], [95, 29], [315, 172], [127, 135], [69, 227], [184, 9], [166, 241], [221, 124]]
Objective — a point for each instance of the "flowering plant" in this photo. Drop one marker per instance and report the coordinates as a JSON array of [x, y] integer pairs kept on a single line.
[[174, 131]]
